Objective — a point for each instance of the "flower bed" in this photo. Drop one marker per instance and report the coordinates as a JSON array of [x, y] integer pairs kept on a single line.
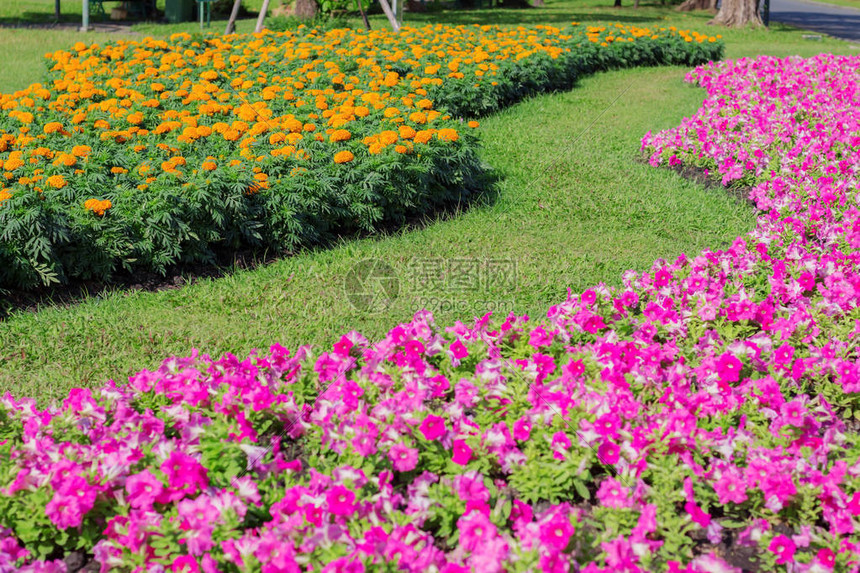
[[145, 154], [702, 418], [699, 419]]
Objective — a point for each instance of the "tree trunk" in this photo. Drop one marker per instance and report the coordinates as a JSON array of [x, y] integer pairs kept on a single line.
[[57, 10], [738, 14], [305, 9], [390, 14], [690, 5], [231, 23], [617, 4], [635, 4], [364, 14], [261, 18]]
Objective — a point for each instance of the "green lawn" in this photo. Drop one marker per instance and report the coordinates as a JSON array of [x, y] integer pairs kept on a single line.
[[574, 207]]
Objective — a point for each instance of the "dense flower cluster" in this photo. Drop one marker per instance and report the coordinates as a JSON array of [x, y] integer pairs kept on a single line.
[[280, 139], [695, 417]]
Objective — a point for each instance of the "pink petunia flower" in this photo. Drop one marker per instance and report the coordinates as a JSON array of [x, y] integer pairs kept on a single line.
[[608, 453], [560, 444], [522, 429], [185, 564], [729, 368], [731, 487], [402, 457], [556, 532], [340, 500], [783, 547], [143, 489], [458, 350], [462, 452], [475, 529], [826, 557], [433, 427], [184, 474], [697, 514], [612, 494]]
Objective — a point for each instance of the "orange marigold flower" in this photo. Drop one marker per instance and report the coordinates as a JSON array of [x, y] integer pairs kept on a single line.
[[423, 136], [474, 124], [4, 195], [209, 166], [53, 127], [97, 206], [343, 157], [417, 117], [447, 134], [57, 181], [340, 135], [82, 150], [388, 137]]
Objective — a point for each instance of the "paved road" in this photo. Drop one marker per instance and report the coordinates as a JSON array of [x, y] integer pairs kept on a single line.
[[833, 20]]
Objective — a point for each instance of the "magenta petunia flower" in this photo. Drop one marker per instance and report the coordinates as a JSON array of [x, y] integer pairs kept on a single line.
[[826, 557], [729, 368], [522, 429], [458, 349], [340, 500], [539, 337], [184, 473], [462, 452], [612, 494], [607, 425], [402, 457], [608, 453], [783, 547], [697, 514], [588, 297], [731, 487], [185, 564], [556, 532], [619, 554], [143, 489], [475, 529], [433, 427], [64, 511]]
